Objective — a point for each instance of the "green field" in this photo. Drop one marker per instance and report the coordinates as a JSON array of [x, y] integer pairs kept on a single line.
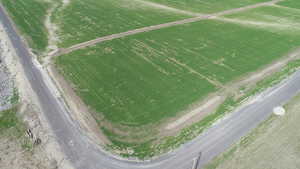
[[207, 6], [147, 77], [29, 16], [272, 18], [136, 83], [144, 79], [290, 3], [85, 20]]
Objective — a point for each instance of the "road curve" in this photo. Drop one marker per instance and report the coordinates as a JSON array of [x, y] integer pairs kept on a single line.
[[83, 154]]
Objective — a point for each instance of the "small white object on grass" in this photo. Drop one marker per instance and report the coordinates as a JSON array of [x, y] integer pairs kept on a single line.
[[279, 111]]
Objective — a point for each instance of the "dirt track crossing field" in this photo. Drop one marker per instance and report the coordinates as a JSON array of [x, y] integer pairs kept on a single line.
[[165, 25]]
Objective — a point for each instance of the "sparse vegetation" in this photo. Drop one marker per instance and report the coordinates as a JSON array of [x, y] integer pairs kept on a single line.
[[274, 144]]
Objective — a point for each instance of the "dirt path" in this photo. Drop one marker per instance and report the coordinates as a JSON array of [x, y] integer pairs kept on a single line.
[[160, 26]]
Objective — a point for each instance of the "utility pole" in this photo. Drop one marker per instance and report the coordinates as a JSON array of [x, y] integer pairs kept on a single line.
[[196, 161]]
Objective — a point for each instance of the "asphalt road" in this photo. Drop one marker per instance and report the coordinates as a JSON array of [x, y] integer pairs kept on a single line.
[[83, 154]]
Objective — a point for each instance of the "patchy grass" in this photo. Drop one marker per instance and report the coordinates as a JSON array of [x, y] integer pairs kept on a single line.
[[84, 20], [207, 6], [29, 16], [15, 97], [10, 121]]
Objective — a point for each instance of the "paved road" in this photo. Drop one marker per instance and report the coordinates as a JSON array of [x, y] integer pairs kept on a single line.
[[83, 154], [160, 26]]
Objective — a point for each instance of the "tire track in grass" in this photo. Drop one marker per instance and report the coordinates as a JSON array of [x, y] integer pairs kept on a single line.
[[258, 24], [157, 5]]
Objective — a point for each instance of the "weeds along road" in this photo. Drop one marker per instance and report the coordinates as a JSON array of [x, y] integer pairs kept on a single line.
[[83, 154]]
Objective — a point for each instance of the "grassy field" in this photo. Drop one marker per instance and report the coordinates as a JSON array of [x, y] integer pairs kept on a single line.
[[207, 6], [274, 144], [155, 146], [145, 78], [85, 20], [271, 18], [29, 16], [137, 82], [151, 76], [290, 3]]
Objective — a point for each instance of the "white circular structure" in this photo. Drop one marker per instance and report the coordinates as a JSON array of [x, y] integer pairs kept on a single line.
[[279, 111]]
